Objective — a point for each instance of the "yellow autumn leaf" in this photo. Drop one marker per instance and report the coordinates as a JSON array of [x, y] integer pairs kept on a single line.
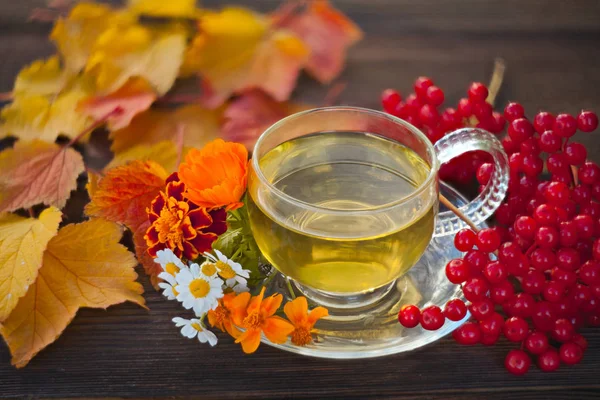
[[31, 117], [22, 244], [162, 8], [197, 125], [41, 77], [163, 152], [83, 266], [76, 34], [123, 52]]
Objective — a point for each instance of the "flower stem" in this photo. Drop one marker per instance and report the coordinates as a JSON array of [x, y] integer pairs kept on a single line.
[[290, 289]]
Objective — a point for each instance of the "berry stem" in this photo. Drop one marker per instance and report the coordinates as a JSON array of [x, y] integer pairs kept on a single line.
[[458, 213], [575, 173], [496, 80]]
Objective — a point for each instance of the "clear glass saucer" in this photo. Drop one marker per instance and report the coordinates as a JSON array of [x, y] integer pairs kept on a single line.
[[374, 331]]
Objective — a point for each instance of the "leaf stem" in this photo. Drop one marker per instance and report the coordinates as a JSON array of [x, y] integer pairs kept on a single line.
[[94, 125], [496, 80]]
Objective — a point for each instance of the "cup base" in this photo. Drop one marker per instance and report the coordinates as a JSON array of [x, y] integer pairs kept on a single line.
[[354, 301]]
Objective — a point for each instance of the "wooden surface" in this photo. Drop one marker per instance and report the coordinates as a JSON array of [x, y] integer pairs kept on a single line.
[[552, 51]]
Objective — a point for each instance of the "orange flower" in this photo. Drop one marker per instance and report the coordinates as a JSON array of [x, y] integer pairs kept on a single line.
[[221, 316], [216, 176], [182, 226], [255, 315], [297, 313]]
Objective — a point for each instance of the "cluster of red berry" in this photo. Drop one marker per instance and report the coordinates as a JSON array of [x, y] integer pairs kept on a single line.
[[422, 109], [535, 277]]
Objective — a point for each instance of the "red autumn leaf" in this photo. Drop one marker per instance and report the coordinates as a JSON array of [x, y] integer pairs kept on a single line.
[[327, 32], [247, 117]]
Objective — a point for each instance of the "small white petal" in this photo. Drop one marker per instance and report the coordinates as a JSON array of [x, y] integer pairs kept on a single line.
[[195, 269], [180, 321], [184, 277], [188, 331]]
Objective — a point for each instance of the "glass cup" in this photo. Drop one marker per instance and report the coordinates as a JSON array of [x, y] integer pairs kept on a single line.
[[343, 201]]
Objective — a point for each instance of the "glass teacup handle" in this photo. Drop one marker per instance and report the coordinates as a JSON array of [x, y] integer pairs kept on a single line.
[[484, 205]]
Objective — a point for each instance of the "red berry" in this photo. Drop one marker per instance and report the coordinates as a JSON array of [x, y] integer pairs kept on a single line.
[[575, 153], [484, 173], [532, 165], [488, 240], [477, 260], [546, 237], [565, 125], [543, 121], [515, 329], [390, 99], [492, 325], [450, 119], [432, 318], [542, 259], [567, 278], [409, 316], [517, 362], [520, 129], [526, 227], [589, 273], [481, 309], [482, 111], [455, 310], [587, 121], [475, 289], [530, 146], [585, 226], [465, 239], [498, 122], [581, 194], [580, 341], [550, 142], [536, 343], [580, 294], [502, 292], [435, 96], [457, 271], [557, 164], [568, 258], [488, 340], [467, 334], [570, 353], [513, 111], [533, 282], [553, 291], [563, 330], [545, 215], [421, 85], [403, 110], [549, 360], [589, 173], [522, 305], [557, 193], [465, 108], [495, 272], [509, 253], [428, 115], [477, 92], [543, 316], [414, 103]]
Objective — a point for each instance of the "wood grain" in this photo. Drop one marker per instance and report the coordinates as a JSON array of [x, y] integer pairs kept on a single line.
[[553, 63]]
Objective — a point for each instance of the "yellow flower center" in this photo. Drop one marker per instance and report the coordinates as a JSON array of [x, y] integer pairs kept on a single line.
[[225, 270], [209, 269], [253, 320], [199, 288], [171, 268], [197, 326], [301, 336]]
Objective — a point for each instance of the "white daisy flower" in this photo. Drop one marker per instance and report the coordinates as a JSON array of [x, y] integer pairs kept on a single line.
[[232, 272], [169, 262], [208, 268], [169, 285], [197, 290], [194, 327]]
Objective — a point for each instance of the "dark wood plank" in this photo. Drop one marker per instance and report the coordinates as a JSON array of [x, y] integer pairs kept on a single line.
[[553, 58]]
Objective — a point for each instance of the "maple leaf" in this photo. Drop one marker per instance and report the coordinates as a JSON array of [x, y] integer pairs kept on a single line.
[[22, 244], [165, 9], [41, 77], [37, 172], [83, 266], [125, 51], [133, 97], [164, 153], [235, 51], [199, 125], [76, 34], [327, 32], [249, 115]]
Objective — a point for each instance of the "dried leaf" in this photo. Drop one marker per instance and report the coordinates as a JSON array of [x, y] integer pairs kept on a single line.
[[164, 153], [125, 51], [22, 244], [199, 125], [83, 266], [328, 33], [165, 9], [41, 77], [151, 268], [37, 172], [76, 34], [132, 98], [249, 115]]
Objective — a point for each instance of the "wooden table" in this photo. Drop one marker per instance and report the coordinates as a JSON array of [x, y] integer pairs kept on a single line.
[[552, 51]]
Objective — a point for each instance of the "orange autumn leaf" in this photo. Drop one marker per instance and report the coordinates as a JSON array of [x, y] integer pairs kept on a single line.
[[327, 32], [35, 172], [216, 176], [22, 244], [83, 266], [197, 124], [250, 114], [135, 96]]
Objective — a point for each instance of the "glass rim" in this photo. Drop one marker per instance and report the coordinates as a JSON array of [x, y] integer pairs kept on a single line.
[[378, 114]]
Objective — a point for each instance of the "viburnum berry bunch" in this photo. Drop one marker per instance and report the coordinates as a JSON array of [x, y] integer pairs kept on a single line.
[[534, 278]]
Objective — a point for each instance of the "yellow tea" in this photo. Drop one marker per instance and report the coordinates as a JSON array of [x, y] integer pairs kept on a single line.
[[345, 236]]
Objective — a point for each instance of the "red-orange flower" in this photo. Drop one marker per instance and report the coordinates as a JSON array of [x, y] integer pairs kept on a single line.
[[222, 318], [182, 226], [216, 176], [255, 315], [297, 313]]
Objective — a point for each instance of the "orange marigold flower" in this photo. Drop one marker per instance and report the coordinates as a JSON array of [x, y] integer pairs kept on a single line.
[[216, 176], [255, 315], [221, 317], [297, 313], [180, 225]]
